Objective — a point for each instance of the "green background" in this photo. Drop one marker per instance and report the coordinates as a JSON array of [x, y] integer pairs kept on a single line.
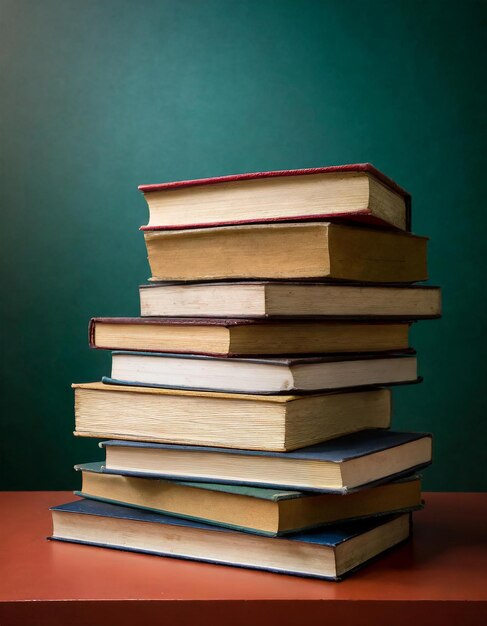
[[98, 97]]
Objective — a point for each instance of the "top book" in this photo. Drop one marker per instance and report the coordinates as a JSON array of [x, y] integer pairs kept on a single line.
[[356, 192]]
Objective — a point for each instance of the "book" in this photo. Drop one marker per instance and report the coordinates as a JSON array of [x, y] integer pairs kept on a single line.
[[357, 192], [342, 465], [246, 337], [324, 553], [280, 422], [262, 511], [310, 250], [255, 376], [282, 299]]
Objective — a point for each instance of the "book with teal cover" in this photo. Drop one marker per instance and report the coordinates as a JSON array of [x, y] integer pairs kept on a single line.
[[261, 493]]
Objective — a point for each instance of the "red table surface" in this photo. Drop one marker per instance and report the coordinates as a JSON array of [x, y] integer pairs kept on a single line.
[[437, 578]]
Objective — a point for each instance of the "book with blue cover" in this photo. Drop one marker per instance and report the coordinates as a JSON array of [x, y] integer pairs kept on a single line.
[[329, 553], [341, 465], [271, 512]]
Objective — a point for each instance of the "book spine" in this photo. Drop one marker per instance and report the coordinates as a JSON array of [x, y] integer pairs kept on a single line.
[[91, 333]]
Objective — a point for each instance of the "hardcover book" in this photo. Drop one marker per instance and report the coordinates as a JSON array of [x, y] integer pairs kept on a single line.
[[258, 422], [312, 250], [246, 337], [325, 553], [262, 511], [289, 298], [342, 465], [260, 376], [356, 192]]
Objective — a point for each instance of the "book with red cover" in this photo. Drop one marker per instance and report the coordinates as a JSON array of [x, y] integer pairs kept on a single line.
[[392, 205]]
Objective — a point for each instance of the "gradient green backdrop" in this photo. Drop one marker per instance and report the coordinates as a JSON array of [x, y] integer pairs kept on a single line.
[[100, 96]]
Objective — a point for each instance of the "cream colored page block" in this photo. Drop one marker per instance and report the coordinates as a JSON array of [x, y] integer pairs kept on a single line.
[[378, 255], [355, 373], [317, 337], [170, 497], [243, 300], [299, 512], [317, 419], [362, 470], [336, 300], [360, 549], [387, 204], [238, 548], [195, 300], [164, 338], [213, 467], [207, 373], [271, 251], [155, 391], [179, 419]]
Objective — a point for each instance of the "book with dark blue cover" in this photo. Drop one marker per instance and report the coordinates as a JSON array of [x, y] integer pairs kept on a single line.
[[209, 537], [336, 451]]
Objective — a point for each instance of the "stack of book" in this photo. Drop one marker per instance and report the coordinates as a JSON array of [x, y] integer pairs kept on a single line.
[[248, 410]]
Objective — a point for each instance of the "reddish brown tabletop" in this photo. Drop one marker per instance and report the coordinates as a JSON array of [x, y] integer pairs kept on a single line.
[[438, 578]]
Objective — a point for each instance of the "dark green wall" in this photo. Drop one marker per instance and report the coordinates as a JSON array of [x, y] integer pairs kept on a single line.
[[100, 96]]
